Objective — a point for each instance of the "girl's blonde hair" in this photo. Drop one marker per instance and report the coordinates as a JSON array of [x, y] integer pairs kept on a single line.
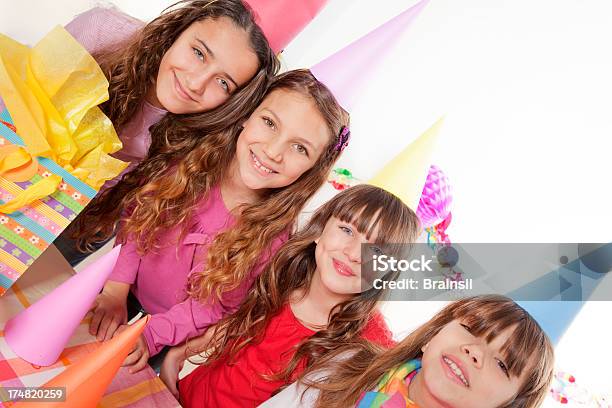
[[162, 193], [346, 379], [292, 270]]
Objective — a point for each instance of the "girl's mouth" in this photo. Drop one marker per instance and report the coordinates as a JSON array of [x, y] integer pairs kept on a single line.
[[342, 268], [180, 91], [455, 371], [264, 170]]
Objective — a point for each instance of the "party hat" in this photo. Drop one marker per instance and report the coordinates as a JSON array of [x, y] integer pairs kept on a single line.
[[39, 333], [405, 175], [282, 20], [583, 274], [86, 381], [554, 317], [345, 72]]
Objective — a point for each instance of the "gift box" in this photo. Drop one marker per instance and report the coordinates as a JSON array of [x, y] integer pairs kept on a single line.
[[55, 144]]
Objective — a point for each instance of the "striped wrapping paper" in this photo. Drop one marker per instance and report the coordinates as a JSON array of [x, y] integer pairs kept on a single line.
[[26, 233]]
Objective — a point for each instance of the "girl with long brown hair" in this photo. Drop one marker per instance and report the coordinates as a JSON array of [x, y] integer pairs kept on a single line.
[[309, 300], [198, 56], [198, 230], [478, 352]]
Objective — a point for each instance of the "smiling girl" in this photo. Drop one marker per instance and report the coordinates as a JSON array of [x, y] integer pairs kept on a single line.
[[203, 56], [199, 231], [479, 352], [191, 59], [309, 300]]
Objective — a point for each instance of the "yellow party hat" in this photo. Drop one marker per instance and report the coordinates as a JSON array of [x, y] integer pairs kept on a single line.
[[405, 175]]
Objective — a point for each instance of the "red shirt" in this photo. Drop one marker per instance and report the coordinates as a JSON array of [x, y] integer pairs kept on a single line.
[[240, 384]]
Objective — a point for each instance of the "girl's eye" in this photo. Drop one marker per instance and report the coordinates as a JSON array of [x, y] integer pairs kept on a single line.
[[224, 84], [346, 230], [199, 54], [466, 327], [503, 367], [269, 123], [300, 149]]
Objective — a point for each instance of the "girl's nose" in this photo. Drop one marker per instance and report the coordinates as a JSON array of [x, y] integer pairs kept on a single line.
[[274, 149], [474, 354]]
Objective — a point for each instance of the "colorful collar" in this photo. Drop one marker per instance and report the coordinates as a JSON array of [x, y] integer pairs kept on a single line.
[[392, 390]]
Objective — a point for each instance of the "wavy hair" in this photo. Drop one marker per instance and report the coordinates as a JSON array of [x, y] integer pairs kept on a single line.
[[164, 191], [291, 272], [131, 66], [346, 379]]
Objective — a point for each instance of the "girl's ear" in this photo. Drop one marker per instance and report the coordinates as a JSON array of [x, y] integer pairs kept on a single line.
[[316, 241], [424, 347]]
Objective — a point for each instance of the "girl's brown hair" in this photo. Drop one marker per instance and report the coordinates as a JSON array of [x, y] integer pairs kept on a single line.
[[528, 349], [163, 193], [291, 272], [131, 66]]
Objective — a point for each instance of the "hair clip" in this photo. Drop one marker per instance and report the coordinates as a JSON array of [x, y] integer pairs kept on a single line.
[[343, 139]]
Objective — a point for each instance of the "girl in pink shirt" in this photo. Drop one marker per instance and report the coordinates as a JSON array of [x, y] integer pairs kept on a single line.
[[200, 229], [202, 56]]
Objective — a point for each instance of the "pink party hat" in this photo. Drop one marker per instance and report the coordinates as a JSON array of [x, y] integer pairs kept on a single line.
[[344, 71], [282, 20], [39, 333]]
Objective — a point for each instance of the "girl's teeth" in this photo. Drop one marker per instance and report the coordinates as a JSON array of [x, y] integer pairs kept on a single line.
[[456, 370], [259, 165]]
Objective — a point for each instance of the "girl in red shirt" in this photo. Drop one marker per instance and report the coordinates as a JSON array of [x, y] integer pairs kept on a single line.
[[310, 300]]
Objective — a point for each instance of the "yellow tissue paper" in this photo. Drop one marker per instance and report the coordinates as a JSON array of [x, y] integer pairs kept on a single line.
[[39, 190], [55, 145], [52, 91]]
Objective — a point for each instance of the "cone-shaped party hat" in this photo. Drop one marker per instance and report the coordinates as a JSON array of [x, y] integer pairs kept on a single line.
[[39, 333], [554, 317], [405, 175], [585, 274], [282, 20], [347, 71], [86, 381]]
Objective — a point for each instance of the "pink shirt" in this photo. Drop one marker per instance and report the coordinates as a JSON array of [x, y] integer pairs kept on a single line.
[[96, 30], [159, 278]]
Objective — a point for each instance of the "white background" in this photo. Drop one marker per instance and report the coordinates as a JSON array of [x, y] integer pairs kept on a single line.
[[526, 89]]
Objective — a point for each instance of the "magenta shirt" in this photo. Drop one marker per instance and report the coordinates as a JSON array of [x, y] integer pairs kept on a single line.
[[101, 28], [159, 278]]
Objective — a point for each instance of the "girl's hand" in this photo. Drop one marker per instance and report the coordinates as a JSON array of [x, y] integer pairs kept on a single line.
[[171, 367], [138, 357], [109, 310]]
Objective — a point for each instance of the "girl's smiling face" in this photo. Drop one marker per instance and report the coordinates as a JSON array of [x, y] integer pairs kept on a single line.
[[462, 370], [281, 140], [209, 61], [339, 258]]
